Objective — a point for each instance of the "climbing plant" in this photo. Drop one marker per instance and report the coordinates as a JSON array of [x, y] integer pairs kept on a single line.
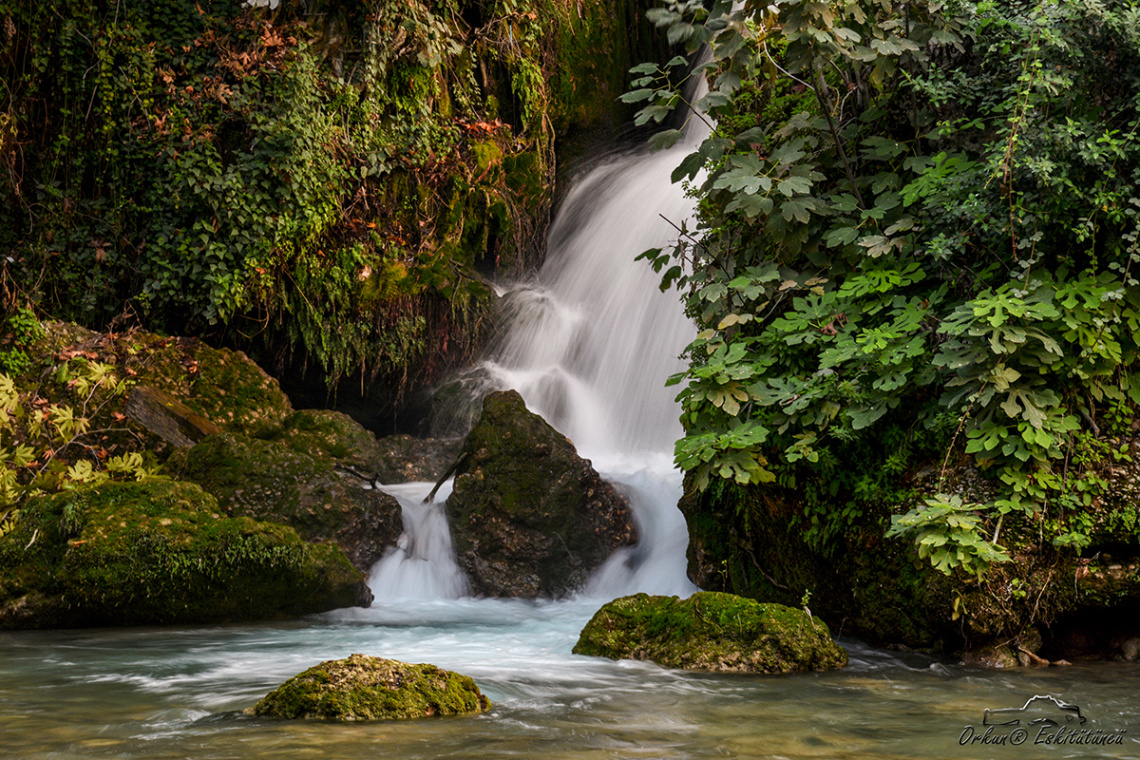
[[918, 222], [332, 181]]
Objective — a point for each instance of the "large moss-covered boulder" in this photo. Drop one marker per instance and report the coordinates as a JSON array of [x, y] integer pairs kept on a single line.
[[160, 551], [181, 388], [272, 480], [529, 517], [711, 631], [370, 688]]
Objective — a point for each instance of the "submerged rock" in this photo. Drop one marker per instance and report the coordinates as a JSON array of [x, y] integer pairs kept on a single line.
[[711, 631], [160, 551], [370, 688], [529, 517]]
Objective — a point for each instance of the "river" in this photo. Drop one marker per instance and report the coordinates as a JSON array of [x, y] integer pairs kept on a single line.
[[164, 693]]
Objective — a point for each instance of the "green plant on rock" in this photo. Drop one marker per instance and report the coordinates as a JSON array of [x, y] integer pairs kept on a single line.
[[22, 330], [47, 447], [917, 221], [945, 530]]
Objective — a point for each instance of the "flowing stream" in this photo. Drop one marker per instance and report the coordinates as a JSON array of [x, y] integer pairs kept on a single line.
[[592, 343]]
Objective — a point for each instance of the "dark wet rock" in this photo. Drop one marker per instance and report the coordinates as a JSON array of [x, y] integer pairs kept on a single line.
[[529, 517], [402, 458], [161, 551], [1000, 656], [711, 631], [362, 688], [269, 480]]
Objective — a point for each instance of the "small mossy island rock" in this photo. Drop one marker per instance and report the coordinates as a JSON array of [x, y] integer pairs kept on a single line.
[[711, 631], [529, 517], [370, 688], [161, 551]]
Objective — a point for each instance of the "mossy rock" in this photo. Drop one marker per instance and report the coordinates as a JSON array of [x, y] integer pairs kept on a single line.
[[711, 631], [529, 517], [269, 480], [161, 551], [327, 434], [223, 386], [337, 437], [370, 688], [751, 541]]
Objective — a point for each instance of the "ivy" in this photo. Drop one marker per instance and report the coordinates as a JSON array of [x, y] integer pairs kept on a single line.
[[915, 219]]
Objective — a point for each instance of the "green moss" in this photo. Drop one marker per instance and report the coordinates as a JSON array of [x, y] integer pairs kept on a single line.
[[295, 478], [327, 434], [369, 688], [710, 631], [161, 551], [487, 154]]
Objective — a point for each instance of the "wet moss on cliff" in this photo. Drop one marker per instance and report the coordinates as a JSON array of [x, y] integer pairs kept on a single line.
[[328, 184]]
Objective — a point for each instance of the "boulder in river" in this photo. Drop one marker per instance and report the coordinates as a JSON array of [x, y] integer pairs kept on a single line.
[[529, 517], [370, 688], [160, 551], [711, 631]]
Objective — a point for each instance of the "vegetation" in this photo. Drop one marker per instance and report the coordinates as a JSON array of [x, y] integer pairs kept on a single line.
[[47, 447], [92, 534], [916, 249], [370, 688], [327, 181], [161, 551]]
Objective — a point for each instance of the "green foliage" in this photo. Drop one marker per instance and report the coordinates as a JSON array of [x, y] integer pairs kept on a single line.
[[946, 532], [299, 180], [915, 220], [44, 446], [21, 331]]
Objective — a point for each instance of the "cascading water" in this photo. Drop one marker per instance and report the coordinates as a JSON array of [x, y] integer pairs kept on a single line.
[[589, 347]]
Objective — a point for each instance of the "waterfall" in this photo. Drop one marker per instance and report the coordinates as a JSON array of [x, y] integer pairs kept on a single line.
[[422, 564], [589, 346]]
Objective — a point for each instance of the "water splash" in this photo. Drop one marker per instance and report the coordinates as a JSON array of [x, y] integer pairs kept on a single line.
[[422, 564]]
